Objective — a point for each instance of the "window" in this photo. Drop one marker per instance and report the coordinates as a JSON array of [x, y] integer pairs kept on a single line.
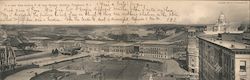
[[242, 66], [192, 70], [193, 65]]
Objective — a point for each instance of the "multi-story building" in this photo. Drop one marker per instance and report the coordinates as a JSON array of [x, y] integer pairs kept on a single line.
[[193, 53], [7, 58], [246, 35], [222, 25], [146, 49], [155, 49], [246, 38], [121, 48], [113, 48], [243, 37], [223, 60], [95, 46], [47, 43]]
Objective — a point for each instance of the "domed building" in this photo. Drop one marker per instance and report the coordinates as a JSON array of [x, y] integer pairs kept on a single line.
[[222, 26]]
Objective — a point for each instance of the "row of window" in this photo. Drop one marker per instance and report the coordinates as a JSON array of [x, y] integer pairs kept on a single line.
[[151, 49], [159, 56]]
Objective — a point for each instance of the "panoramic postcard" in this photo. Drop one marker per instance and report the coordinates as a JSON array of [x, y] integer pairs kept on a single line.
[[124, 40]]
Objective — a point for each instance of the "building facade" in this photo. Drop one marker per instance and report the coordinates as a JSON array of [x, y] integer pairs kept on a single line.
[[7, 58], [193, 54], [47, 43], [222, 25], [121, 48], [95, 46], [155, 49], [223, 60], [146, 49]]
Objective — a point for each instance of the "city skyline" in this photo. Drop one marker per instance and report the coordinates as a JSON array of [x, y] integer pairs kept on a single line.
[[125, 40]]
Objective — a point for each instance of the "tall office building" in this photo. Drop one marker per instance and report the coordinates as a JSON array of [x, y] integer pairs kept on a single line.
[[193, 53], [223, 59]]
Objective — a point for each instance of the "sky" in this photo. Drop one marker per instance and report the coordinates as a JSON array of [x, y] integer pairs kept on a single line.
[[206, 12]]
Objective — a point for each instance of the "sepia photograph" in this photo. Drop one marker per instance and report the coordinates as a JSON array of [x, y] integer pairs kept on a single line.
[[124, 40]]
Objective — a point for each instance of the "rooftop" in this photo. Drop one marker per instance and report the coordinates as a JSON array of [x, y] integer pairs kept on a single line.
[[156, 42], [227, 44], [94, 42], [122, 44], [217, 32], [39, 38], [65, 41]]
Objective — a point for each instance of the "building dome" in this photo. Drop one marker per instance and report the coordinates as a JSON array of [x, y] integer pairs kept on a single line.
[[221, 19]]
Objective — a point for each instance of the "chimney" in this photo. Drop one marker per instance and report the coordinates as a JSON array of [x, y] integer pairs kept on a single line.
[[232, 46]]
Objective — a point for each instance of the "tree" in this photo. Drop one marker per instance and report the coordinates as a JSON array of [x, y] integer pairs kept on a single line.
[[56, 52], [53, 51]]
